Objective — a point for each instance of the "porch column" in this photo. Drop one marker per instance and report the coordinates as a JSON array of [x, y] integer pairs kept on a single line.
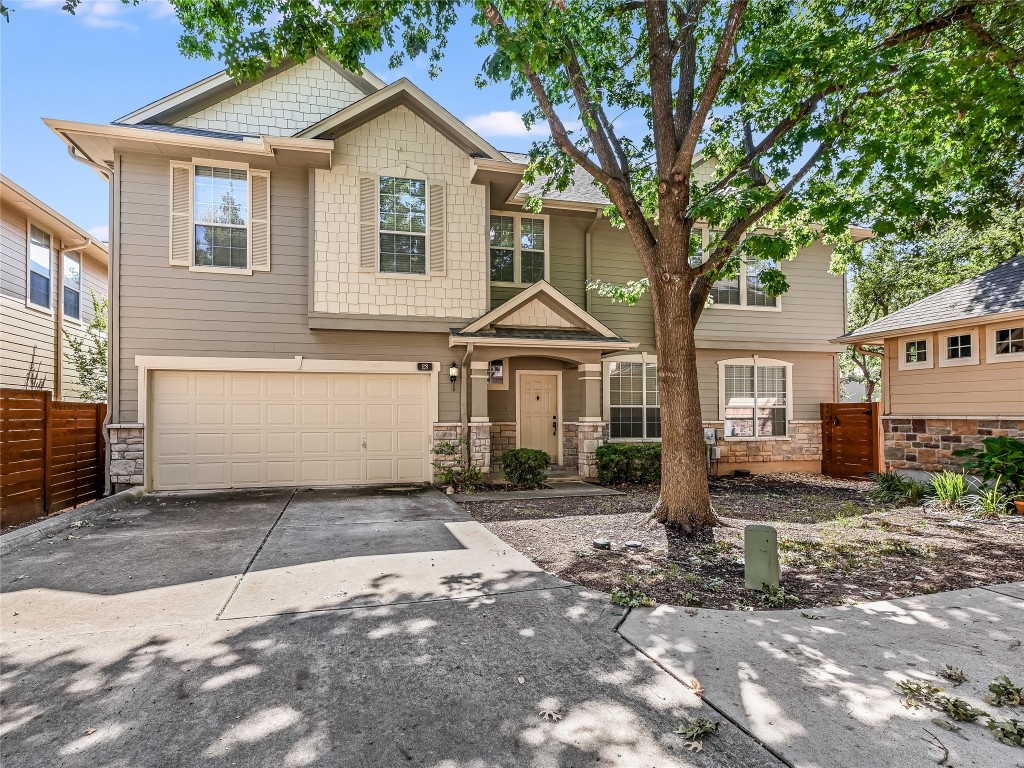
[[591, 429], [479, 421]]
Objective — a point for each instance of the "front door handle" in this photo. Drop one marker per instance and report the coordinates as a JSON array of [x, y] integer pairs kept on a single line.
[[554, 426]]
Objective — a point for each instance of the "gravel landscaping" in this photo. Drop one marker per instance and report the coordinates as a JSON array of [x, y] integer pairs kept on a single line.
[[836, 546]]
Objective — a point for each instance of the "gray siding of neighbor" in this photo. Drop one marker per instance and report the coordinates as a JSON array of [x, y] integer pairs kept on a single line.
[[27, 346], [27, 340], [168, 310]]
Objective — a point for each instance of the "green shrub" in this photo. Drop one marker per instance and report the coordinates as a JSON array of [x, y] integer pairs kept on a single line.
[[629, 463], [525, 467], [948, 488], [893, 488], [1001, 457], [989, 503], [453, 467]]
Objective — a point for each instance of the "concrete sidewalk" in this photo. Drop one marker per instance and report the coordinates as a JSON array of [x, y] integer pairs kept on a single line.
[[817, 685]]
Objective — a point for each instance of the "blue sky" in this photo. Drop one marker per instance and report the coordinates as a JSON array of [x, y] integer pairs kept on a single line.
[[110, 59]]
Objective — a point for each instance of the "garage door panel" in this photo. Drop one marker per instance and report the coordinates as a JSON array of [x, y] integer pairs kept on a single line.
[[211, 414], [224, 429], [211, 444]]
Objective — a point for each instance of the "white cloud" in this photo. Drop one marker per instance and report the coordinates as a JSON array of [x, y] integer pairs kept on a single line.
[[106, 14], [504, 123], [100, 232]]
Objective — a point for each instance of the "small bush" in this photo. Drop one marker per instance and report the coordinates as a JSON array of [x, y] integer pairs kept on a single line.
[[990, 503], [948, 488], [452, 466], [629, 463], [525, 467], [893, 488], [1001, 457]]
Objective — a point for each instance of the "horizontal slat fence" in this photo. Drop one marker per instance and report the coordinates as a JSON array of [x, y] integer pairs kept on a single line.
[[851, 439], [51, 454]]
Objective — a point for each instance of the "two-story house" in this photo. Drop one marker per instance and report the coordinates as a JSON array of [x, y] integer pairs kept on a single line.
[[318, 277], [51, 269]]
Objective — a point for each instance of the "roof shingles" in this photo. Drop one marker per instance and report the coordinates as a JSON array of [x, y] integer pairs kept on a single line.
[[998, 291]]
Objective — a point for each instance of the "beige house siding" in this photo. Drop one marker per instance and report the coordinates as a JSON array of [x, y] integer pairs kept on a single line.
[[27, 337], [168, 310], [811, 311], [399, 143], [280, 105], [985, 389]]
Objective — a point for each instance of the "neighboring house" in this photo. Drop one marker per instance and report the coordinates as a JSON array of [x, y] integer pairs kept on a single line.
[[320, 277], [953, 368], [50, 268]]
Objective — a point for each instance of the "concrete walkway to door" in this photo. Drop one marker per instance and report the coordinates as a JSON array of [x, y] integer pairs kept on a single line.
[[321, 628]]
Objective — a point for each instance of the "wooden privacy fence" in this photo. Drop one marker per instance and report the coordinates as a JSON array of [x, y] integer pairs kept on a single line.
[[851, 439], [51, 454]]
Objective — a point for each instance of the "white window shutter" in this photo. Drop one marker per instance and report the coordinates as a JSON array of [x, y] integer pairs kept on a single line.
[[259, 221], [181, 231], [437, 223], [368, 223]]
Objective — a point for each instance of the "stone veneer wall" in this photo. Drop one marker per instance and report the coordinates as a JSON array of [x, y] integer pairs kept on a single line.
[[590, 436], [127, 454], [503, 438], [480, 445], [804, 444], [928, 443], [570, 444]]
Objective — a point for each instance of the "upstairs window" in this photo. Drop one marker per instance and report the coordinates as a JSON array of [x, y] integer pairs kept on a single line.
[[72, 304], [40, 259], [745, 289], [1009, 341], [959, 347], [518, 249], [221, 217], [403, 225], [755, 399], [916, 351], [634, 407]]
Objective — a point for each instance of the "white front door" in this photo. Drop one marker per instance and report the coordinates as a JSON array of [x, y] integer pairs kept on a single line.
[[538, 413], [214, 429]]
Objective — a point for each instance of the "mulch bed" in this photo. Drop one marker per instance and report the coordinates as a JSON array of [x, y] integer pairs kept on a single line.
[[836, 546]]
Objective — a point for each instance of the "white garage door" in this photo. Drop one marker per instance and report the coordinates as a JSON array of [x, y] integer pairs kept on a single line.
[[213, 429]]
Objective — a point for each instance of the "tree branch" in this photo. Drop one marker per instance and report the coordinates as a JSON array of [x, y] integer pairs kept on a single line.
[[662, 54]]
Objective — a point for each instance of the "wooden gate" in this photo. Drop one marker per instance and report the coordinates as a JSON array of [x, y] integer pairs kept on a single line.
[[51, 454], [851, 439]]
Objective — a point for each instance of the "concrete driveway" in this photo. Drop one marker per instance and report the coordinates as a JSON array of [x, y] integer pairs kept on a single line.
[[321, 628]]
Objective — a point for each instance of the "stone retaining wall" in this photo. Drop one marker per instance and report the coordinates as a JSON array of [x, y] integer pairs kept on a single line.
[[928, 443]]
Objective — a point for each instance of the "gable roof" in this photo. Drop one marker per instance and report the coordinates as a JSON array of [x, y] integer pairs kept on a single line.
[[1000, 291], [402, 93], [522, 319], [32, 207], [221, 85]]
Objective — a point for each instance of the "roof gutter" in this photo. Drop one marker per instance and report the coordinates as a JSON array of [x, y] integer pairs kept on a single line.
[[112, 296], [878, 338]]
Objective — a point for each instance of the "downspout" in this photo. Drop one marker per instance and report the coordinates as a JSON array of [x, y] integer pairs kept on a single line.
[[464, 395], [58, 341], [113, 284], [588, 259]]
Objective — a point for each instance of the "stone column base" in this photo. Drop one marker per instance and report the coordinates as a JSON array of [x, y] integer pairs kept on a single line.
[[127, 454], [480, 445], [590, 435]]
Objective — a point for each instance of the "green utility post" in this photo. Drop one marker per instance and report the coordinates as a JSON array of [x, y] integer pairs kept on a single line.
[[760, 556]]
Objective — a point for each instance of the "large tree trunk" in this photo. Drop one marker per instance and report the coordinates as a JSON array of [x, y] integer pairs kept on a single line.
[[685, 501]]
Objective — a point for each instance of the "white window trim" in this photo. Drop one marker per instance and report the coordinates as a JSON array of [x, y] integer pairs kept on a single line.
[[764, 362], [426, 229], [517, 266], [29, 223], [742, 277], [192, 266], [505, 376], [606, 394], [974, 359], [81, 288], [990, 344], [901, 349]]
